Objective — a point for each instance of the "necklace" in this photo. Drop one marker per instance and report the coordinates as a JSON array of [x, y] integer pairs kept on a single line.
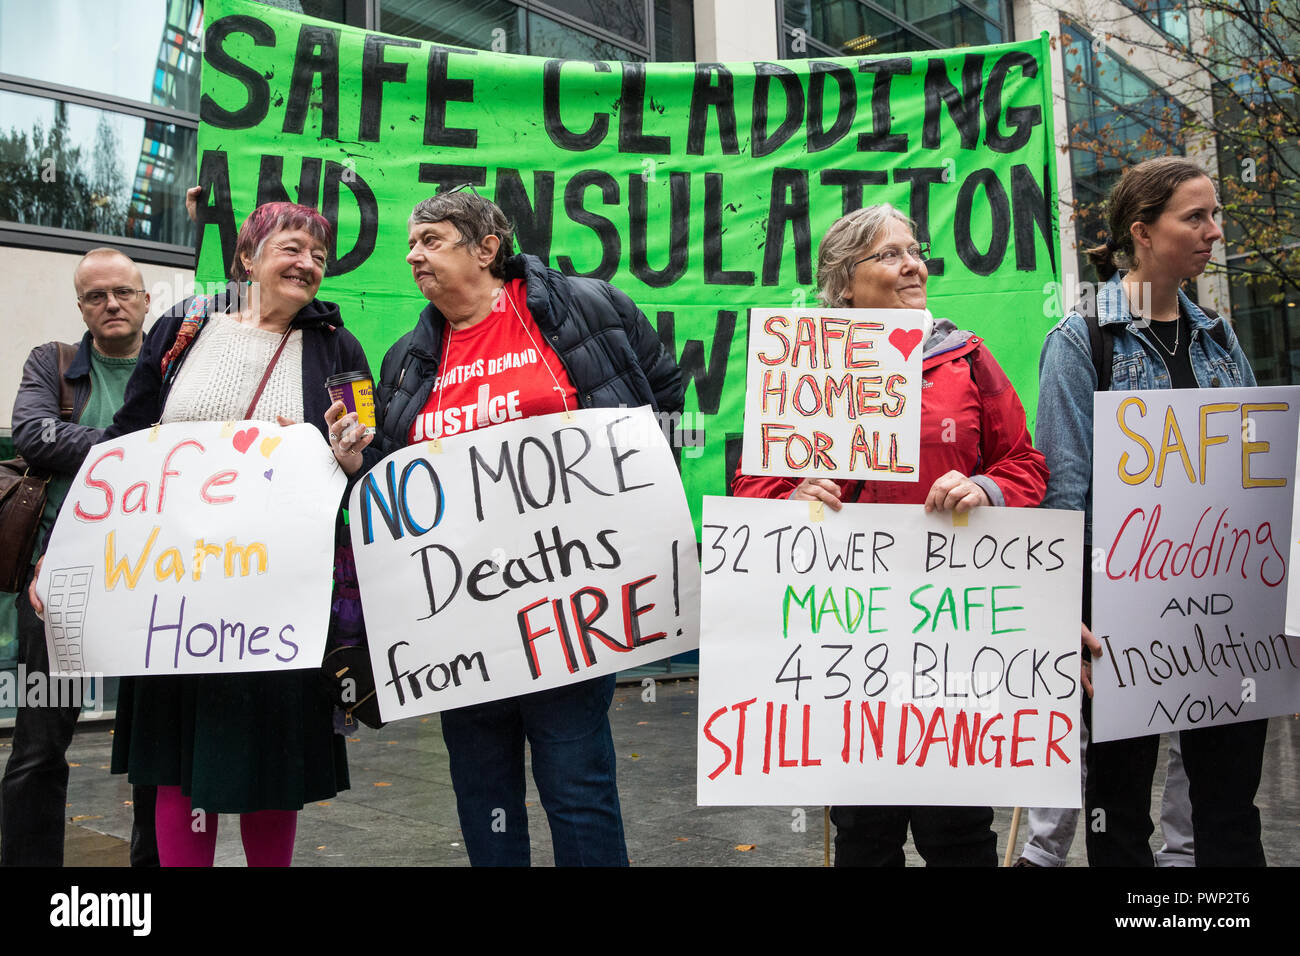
[[1159, 340]]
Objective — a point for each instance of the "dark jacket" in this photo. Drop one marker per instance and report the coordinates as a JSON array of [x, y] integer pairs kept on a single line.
[[327, 348], [36, 409], [607, 346]]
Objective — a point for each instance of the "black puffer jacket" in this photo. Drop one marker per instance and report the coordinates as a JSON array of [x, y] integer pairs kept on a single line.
[[607, 346]]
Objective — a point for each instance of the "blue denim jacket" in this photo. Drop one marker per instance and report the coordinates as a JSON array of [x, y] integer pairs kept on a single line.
[[1067, 380]]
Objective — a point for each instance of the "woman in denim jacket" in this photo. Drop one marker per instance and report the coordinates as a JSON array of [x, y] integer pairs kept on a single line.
[[1163, 229]]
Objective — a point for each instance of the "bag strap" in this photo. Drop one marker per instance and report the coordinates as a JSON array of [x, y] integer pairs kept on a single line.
[[67, 400], [196, 316], [1102, 346], [266, 376], [1102, 343]]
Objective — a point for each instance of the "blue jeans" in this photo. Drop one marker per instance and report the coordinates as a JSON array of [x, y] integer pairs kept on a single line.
[[573, 767]]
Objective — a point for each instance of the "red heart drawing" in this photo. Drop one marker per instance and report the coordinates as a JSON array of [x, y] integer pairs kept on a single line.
[[905, 340], [243, 440]]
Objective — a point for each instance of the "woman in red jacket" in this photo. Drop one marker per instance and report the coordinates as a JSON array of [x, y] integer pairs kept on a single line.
[[975, 450]]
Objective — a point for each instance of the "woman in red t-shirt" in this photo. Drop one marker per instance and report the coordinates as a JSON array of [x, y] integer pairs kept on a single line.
[[506, 338]]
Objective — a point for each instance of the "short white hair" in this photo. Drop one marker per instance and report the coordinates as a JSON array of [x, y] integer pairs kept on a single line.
[[843, 244]]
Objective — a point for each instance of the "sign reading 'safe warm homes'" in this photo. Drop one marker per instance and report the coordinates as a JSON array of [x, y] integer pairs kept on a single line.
[[194, 548], [702, 190]]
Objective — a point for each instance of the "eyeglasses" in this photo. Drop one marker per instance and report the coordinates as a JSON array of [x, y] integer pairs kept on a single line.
[[100, 296], [888, 257]]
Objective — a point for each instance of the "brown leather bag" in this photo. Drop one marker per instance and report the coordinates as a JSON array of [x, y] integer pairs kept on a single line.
[[22, 496]]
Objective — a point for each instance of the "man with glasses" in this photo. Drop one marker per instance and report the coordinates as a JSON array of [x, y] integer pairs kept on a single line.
[[113, 302]]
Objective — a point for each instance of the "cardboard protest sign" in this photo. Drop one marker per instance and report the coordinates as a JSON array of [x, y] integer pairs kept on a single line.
[[195, 548], [700, 190], [887, 656], [524, 556], [1192, 499], [1293, 580], [834, 393]]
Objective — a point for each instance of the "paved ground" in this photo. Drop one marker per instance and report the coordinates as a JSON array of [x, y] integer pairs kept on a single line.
[[401, 811]]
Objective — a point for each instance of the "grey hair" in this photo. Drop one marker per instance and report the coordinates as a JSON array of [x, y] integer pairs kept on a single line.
[[474, 217], [843, 243]]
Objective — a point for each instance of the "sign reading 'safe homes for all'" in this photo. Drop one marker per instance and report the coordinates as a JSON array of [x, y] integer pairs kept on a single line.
[[834, 393], [1192, 495], [702, 190]]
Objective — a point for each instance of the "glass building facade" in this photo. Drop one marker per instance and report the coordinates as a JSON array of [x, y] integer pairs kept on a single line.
[[1117, 118], [576, 29], [862, 28], [98, 124], [99, 119]]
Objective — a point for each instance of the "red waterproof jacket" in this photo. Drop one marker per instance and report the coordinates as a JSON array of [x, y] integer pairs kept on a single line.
[[971, 421]]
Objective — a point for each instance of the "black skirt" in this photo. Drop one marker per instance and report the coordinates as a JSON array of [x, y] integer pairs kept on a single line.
[[233, 743]]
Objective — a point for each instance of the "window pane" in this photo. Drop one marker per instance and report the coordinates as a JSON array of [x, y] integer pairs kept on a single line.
[[144, 50], [991, 9], [320, 9], [477, 24], [1167, 15], [674, 30], [1112, 109], [74, 167], [850, 28], [950, 23], [546, 37], [495, 25], [623, 17]]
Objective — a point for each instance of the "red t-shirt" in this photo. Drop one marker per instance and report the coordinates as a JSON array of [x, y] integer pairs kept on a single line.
[[499, 370]]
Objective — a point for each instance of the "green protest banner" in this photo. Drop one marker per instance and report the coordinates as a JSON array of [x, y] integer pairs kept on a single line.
[[700, 189]]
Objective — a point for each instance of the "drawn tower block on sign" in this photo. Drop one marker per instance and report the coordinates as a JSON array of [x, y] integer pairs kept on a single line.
[[65, 617]]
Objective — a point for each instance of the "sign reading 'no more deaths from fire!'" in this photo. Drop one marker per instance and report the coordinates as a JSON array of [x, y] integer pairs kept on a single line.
[[194, 548], [1192, 500], [521, 557], [885, 656], [834, 393]]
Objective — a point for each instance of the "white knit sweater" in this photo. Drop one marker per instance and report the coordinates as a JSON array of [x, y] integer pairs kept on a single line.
[[222, 369]]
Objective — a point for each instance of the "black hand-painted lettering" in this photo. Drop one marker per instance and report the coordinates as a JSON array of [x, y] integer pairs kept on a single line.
[[441, 90], [611, 246], [259, 89], [375, 72], [317, 55]]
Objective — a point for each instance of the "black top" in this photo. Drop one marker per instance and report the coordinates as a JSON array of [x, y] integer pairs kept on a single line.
[[1173, 341]]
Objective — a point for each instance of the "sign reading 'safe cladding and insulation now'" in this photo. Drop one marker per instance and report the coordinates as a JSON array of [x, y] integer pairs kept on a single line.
[[834, 393], [881, 655], [521, 557], [1191, 535], [702, 190], [193, 548]]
